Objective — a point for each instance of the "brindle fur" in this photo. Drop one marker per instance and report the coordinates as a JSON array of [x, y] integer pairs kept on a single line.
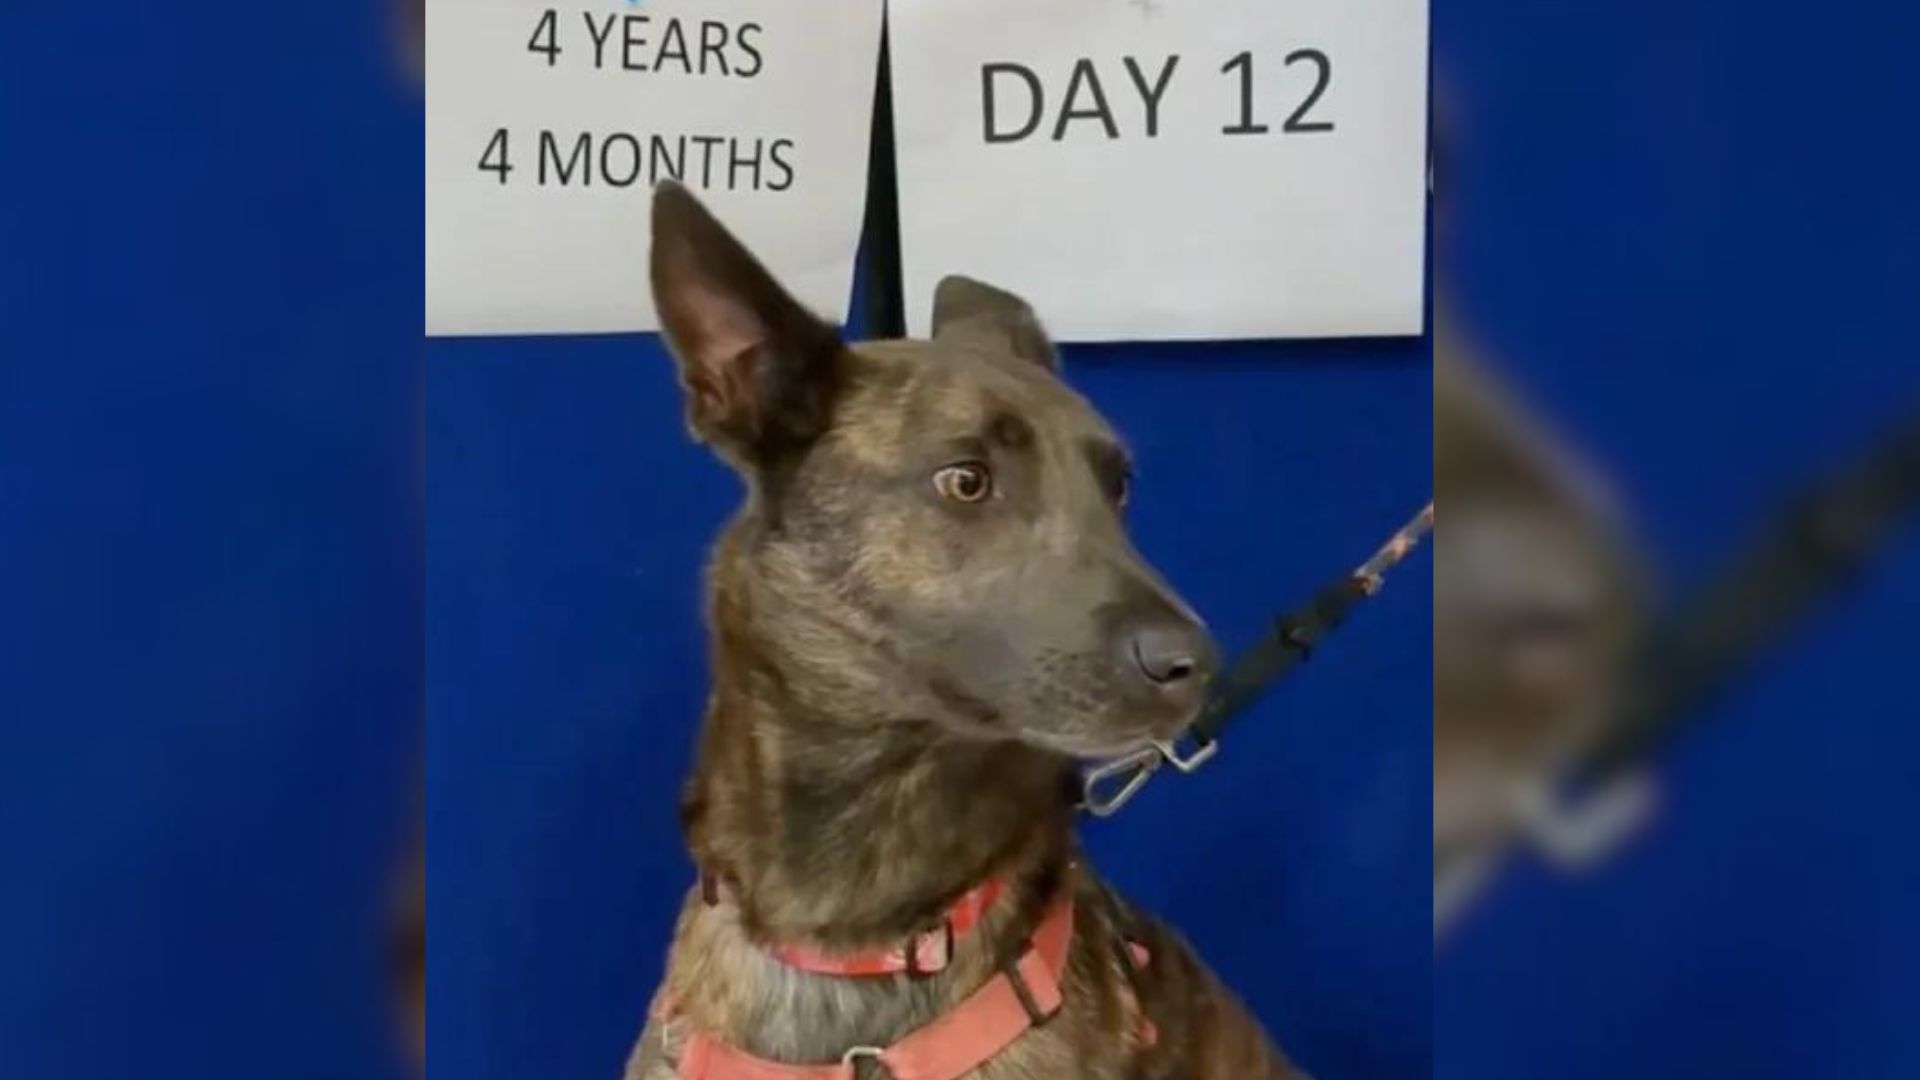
[[899, 682]]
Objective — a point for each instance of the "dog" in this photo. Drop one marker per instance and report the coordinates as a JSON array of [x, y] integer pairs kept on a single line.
[[1541, 600], [925, 612]]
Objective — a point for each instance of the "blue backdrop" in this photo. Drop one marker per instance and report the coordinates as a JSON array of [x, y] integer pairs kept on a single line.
[[568, 514], [1689, 231], [210, 620]]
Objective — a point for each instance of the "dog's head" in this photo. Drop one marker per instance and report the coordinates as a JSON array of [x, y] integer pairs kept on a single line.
[[934, 529], [1539, 602]]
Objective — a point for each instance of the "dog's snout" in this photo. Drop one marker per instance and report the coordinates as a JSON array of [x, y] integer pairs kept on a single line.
[[1175, 657]]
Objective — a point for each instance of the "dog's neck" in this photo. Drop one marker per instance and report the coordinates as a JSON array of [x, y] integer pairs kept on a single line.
[[850, 833]]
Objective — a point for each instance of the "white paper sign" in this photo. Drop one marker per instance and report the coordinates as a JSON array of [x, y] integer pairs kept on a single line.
[[548, 124], [1148, 169]]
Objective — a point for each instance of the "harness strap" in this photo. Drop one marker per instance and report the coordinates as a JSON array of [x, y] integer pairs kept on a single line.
[[922, 954], [704, 1058], [1023, 995]]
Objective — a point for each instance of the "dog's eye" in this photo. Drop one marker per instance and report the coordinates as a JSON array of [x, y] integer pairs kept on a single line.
[[967, 482], [1122, 488]]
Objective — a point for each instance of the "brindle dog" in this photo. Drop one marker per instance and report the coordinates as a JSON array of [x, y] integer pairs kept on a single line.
[[925, 611], [1539, 600]]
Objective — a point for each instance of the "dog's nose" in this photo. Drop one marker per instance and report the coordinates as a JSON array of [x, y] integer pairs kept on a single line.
[[1177, 658]]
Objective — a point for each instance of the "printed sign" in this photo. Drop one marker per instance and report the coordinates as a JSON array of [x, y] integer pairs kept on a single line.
[[1145, 169], [548, 125]]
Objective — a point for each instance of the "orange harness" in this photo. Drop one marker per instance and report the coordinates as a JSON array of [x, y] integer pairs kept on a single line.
[[1021, 996], [922, 954]]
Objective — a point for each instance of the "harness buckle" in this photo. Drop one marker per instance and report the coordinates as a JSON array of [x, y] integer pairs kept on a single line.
[[876, 1054], [1029, 1004], [918, 964]]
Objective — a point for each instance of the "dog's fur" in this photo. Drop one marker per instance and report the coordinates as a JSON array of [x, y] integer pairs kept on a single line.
[[902, 682]]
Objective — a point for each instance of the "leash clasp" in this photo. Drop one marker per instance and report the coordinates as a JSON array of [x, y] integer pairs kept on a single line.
[[1203, 751], [1109, 786]]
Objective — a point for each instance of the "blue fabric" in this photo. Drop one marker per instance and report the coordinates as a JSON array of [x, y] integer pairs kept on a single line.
[[209, 537], [1689, 232]]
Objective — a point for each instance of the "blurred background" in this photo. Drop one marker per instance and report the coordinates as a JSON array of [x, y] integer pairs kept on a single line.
[[210, 675], [1678, 242]]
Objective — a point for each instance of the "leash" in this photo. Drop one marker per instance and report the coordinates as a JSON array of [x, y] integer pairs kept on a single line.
[[1822, 541], [1109, 786]]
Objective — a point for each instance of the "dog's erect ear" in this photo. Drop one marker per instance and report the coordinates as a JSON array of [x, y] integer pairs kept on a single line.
[[758, 367], [965, 310]]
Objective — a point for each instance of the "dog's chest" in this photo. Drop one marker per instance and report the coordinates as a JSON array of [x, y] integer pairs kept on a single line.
[[738, 995], [1061, 1049]]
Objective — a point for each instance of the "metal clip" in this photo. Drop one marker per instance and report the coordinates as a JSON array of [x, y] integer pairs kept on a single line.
[[1578, 832], [1108, 787], [1136, 768], [876, 1054], [1202, 753]]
